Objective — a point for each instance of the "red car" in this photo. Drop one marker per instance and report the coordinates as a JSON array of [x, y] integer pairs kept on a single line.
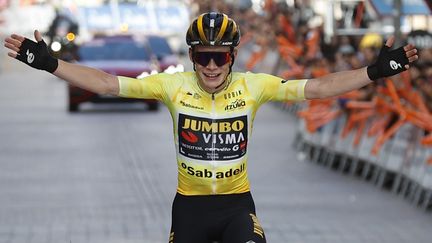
[[122, 56]]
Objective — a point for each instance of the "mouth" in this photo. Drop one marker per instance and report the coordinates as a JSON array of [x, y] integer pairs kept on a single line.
[[211, 75]]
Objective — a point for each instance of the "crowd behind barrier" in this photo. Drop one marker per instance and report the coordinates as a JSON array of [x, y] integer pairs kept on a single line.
[[382, 132], [365, 139]]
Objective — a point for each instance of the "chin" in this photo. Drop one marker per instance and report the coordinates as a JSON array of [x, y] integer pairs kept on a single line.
[[213, 84]]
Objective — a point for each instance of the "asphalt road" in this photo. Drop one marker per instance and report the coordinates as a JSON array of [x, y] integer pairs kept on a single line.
[[107, 174]]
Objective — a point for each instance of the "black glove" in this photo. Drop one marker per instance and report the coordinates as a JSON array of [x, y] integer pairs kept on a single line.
[[36, 55], [388, 63]]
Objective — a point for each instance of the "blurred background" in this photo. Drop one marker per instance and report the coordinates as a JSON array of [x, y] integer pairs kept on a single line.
[[80, 167]]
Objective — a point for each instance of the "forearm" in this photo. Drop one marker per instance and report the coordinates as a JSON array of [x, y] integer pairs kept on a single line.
[[336, 83], [87, 78]]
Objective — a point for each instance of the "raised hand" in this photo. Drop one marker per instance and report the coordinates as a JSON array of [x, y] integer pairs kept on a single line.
[[391, 62], [34, 54]]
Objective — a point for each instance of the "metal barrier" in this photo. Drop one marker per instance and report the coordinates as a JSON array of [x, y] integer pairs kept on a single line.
[[401, 165]]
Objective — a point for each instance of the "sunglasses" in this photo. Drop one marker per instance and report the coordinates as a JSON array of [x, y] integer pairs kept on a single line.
[[203, 58]]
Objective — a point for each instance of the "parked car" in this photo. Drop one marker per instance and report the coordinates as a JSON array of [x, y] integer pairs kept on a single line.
[[161, 49], [122, 55]]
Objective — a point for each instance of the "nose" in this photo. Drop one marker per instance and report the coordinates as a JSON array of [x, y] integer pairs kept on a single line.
[[212, 64]]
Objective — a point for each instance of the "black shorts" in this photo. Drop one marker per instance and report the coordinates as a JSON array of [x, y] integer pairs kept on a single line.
[[221, 218]]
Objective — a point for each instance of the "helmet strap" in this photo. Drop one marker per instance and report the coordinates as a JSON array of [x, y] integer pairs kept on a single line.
[[193, 62], [232, 59], [225, 82]]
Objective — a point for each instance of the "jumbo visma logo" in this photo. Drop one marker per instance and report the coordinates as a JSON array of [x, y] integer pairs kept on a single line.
[[212, 139]]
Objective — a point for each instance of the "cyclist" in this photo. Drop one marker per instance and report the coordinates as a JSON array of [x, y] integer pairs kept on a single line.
[[212, 110]]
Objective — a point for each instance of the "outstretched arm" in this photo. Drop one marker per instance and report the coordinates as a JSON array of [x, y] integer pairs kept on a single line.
[[36, 55], [388, 63], [88, 78]]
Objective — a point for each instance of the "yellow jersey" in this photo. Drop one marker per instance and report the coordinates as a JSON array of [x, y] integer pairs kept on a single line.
[[211, 131]]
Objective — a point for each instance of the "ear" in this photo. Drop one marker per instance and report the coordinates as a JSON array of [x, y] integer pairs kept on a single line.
[[191, 58], [233, 56], [235, 52]]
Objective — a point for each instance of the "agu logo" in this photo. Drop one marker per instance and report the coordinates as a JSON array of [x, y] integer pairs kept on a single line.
[[30, 56], [394, 65], [239, 103]]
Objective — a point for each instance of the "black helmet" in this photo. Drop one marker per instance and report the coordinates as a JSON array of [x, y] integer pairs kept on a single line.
[[213, 29]]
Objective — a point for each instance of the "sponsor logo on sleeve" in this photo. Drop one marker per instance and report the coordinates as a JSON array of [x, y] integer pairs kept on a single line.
[[191, 106]]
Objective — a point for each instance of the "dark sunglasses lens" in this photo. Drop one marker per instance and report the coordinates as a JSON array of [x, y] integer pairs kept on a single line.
[[220, 58], [202, 58]]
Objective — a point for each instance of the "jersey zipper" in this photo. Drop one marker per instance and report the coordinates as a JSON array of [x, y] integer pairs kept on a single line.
[[213, 142]]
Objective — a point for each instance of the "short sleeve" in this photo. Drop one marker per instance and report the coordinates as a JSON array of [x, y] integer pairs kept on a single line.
[[272, 88], [150, 87]]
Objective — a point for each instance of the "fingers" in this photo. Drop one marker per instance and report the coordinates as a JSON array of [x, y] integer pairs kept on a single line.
[[409, 47], [15, 40], [11, 54], [37, 35], [411, 52], [14, 43], [390, 41], [413, 58], [18, 37], [11, 47]]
